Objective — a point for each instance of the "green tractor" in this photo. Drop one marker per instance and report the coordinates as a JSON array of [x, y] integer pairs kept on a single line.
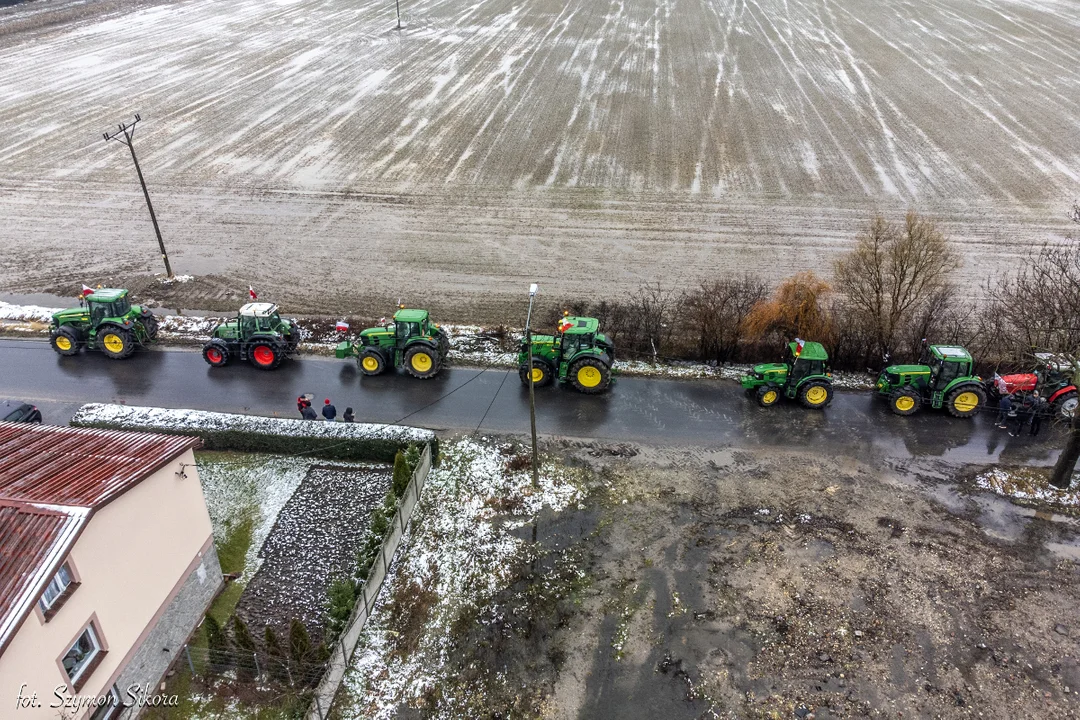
[[578, 353], [411, 340], [943, 378], [258, 335], [803, 374], [105, 320]]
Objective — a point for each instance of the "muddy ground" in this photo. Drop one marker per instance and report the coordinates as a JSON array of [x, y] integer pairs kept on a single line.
[[308, 148], [779, 584]]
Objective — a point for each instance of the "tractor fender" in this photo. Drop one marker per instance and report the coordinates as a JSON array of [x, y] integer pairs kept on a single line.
[[264, 339], [1062, 391], [962, 382], [420, 341], [814, 378]]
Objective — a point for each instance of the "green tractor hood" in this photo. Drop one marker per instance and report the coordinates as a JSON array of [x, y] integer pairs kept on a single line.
[[72, 315]]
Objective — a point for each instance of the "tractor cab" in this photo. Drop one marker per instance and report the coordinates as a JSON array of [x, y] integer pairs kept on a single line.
[[410, 324], [802, 374], [255, 318], [107, 304]]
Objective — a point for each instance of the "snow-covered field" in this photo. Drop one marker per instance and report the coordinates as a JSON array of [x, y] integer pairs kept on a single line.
[[297, 143]]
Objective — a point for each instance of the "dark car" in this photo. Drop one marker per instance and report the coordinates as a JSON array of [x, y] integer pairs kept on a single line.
[[18, 411]]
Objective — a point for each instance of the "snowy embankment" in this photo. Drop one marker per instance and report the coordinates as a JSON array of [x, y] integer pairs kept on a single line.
[[469, 345], [250, 433], [462, 546], [1027, 486]]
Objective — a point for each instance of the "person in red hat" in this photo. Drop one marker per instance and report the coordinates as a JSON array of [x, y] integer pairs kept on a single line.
[[329, 411]]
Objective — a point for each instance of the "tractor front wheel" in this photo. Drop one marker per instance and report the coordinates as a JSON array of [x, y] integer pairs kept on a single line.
[[65, 341], [370, 362], [265, 356], [904, 401], [1065, 406], [117, 343], [590, 376], [816, 395], [768, 395], [542, 374], [216, 353], [422, 362], [963, 402]]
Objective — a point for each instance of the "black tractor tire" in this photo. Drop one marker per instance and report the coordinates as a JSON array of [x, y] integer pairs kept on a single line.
[[151, 324], [65, 340], [965, 409], [1065, 406], [292, 340], [376, 363], [216, 353], [588, 370], [541, 365], [768, 395], [811, 395], [904, 401], [419, 367], [116, 342], [265, 354]]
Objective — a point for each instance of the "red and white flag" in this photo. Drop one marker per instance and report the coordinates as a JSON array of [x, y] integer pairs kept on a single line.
[[251, 293], [798, 346], [342, 326], [87, 290]]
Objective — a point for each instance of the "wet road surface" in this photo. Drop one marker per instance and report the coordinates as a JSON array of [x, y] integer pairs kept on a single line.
[[664, 412]]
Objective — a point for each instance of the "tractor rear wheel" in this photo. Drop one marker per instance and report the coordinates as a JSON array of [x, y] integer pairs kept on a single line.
[[904, 401], [816, 394], [371, 362], [542, 373], [768, 395], [151, 324], [216, 353], [65, 340], [422, 362], [965, 401], [117, 343], [590, 376], [1065, 406], [265, 355]]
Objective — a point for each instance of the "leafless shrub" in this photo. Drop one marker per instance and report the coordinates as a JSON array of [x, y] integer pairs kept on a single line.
[[712, 316]]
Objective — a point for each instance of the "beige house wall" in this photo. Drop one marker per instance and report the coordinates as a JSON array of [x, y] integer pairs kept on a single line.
[[131, 559]]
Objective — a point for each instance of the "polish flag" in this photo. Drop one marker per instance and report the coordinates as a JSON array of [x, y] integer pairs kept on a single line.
[[798, 346], [251, 293], [342, 326], [565, 324], [87, 290]]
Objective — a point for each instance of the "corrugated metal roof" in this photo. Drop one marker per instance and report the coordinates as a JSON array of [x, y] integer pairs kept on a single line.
[[79, 466], [51, 481]]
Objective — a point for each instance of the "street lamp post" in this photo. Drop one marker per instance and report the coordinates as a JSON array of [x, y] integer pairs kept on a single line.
[[532, 390]]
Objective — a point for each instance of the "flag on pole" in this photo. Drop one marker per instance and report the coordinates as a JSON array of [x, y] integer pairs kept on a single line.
[[342, 326], [251, 294], [87, 290], [798, 346]]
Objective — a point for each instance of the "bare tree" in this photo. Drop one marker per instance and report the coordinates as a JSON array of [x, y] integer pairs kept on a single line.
[[798, 307], [716, 312], [896, 277]]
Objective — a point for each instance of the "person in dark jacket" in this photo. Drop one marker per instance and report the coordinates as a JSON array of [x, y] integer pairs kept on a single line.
[[300, 403], [1040, 410], [308, 413], [1004, 411], [348, 416], [329, 411], [1023, 414]]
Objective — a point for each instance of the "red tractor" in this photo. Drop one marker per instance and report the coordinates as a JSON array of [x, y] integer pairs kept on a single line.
[[1051, 378]]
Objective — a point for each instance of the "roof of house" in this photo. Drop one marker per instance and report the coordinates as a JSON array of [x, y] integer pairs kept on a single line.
[[52, 480]]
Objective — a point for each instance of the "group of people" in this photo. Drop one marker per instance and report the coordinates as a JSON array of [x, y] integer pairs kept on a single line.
[[329, 412], [1030, 410]]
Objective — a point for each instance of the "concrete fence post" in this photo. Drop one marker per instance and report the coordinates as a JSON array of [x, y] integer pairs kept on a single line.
[[187, 654]]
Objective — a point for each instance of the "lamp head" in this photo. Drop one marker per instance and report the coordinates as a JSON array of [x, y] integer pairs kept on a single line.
[[532, 289]]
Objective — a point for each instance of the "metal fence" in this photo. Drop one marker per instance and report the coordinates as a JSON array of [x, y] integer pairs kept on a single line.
[[342, 652]]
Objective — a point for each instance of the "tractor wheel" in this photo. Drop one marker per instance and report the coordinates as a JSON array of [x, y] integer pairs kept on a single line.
[[371, 362], [265, 355], [151, 324], [768, 395], [1065, 406], [816, 394], [117, 343], [590, 376], [216, 353], [542, 373], [965, 401], [422, 362], [904, 401], [65, 341]]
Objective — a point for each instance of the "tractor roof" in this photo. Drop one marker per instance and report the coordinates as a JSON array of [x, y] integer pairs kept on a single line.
[[406, 315], [258, 309], [579, 325], [949, 352], [106, 294], [810, 351]]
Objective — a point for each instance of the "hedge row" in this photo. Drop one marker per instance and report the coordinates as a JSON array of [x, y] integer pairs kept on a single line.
[[249, 433]]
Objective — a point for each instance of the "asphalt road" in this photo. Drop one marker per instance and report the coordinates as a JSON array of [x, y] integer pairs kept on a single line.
[[662, 412]]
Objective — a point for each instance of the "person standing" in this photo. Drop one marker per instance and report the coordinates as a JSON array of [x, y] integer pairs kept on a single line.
[[308, 412], [348, 416], [1038, 412], [329, 412], [1004, 410], [300, 403], [1023, 414]]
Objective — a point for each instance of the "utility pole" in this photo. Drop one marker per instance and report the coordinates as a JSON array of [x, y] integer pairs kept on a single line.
[[397, 5], [128, 133], [532, 393]]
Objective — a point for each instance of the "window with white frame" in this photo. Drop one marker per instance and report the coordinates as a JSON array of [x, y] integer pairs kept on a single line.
[[109, 706], [56, 587], [82, 653]]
